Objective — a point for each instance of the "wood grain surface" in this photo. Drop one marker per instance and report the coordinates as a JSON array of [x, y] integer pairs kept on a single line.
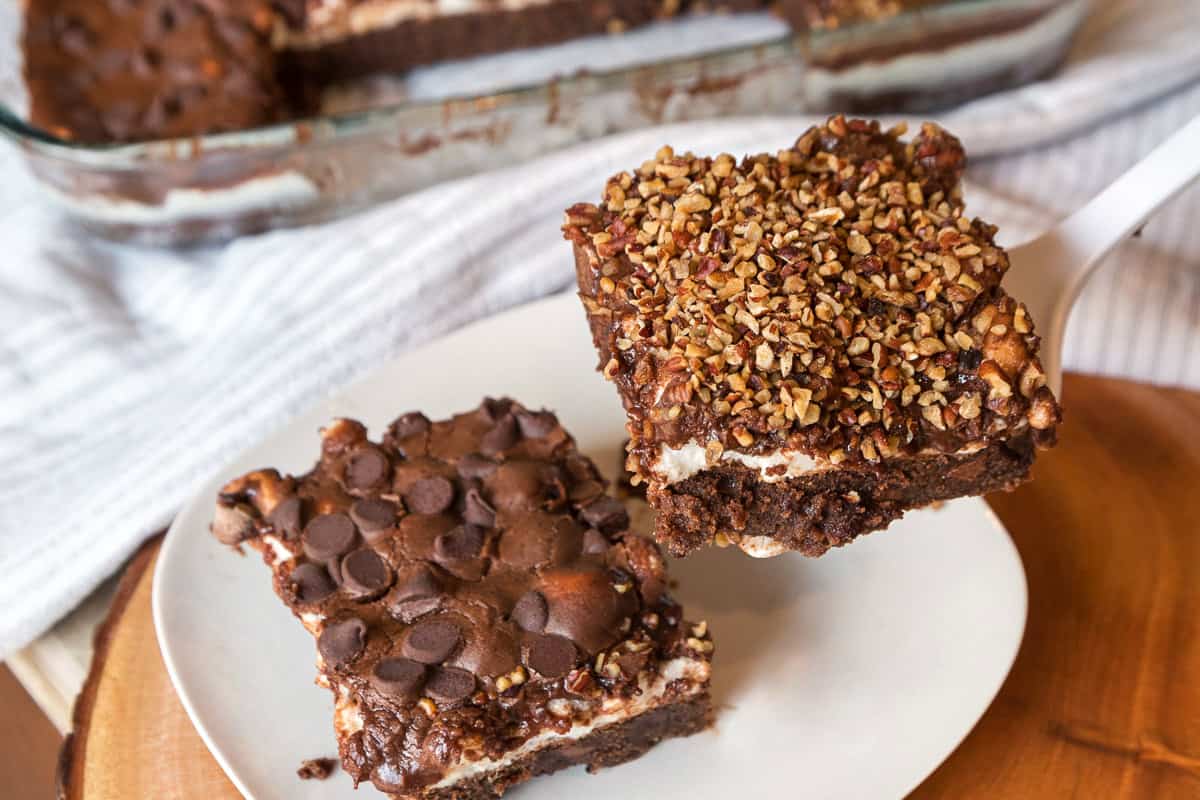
[[1104, 699], [28, 744]]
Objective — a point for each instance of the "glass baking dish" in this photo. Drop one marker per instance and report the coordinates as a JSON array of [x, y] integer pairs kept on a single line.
[[386, 137]]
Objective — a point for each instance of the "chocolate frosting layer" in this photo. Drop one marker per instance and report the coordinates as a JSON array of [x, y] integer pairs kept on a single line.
[[465, 579]]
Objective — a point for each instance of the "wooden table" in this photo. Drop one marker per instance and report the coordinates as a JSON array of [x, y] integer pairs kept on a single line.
[[1103, 701]]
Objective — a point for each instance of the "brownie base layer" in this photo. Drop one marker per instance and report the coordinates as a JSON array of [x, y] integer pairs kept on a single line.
[[813, 513], [418, 42], [606, 747]]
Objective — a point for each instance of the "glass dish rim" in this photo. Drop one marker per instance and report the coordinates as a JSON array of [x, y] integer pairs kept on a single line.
[[317, 129]]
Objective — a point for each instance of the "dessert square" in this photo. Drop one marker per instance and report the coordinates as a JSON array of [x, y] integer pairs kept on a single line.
[[481, 612], [112, 71], [808, 344], [122, 71]]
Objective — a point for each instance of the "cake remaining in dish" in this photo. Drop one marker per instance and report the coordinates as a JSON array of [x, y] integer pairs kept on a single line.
[[122, 71], [481, 613], [808, 343], [111, 71]]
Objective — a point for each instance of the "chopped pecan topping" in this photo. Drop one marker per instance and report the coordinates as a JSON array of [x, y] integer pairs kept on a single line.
[[832, 298]]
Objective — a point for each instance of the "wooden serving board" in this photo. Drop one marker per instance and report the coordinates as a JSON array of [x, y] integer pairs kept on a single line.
[[1103, 701]]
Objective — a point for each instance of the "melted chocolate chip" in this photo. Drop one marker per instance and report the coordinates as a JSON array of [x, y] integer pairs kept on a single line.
[[536, 424], [410, 424], [310, 583], [450, 685], [432, 641], [531, 612], [595, 542], [586, 491], [328, 536], [517, 486], [399, 678], [536, 539], [503, 435], [374, 517], [551, 656], [417, 592], [478, 511], [607, 514], [342, 642], [232, 524], [490, 652], [430, 495], [492, 409], [462, 543], [474, 465], [365, 573], [285, 517], [366, 469]]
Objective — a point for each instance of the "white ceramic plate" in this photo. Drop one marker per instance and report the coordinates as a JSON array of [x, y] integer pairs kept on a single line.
[[850, 676]]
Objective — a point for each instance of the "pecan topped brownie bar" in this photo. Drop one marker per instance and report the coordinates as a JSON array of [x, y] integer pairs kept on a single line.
[[482, 614], [809, 343]]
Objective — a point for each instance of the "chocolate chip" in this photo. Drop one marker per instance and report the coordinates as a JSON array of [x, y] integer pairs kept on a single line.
[[459, 544], [310, 583], [586, 491], [342, 642], [417, 592], [285, 517], [531, 612], [373, 517], [450, 685], [366, 469], [430, 495], [607, 514], [493, 409], [536, 424], [503, 435], [580, 468], [399, 678], [474, 465], [595, 542], [232, 524], [365, 573], [328, 536], [490, 651], [552, 656], [410, 424], [517, 486], [432, 641], [478, 511]]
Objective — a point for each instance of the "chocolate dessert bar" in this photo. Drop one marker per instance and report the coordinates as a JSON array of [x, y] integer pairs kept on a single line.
[[482, 614], [810, 343], [122, 71], [117, 71]]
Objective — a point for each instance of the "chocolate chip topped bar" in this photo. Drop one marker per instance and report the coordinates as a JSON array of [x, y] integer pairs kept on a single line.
[[809, 343], [482, 614], [119, 71]]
